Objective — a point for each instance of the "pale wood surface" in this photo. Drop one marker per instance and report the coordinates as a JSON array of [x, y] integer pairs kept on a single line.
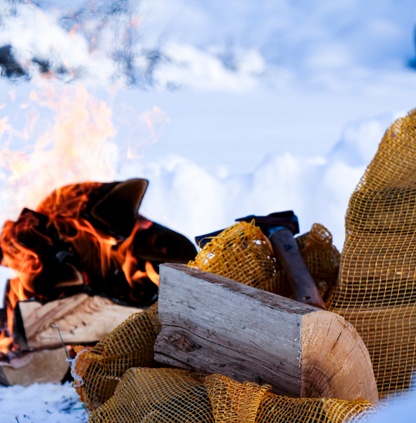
[[35, 367], [335, 361], [81, 319], [216, 325]]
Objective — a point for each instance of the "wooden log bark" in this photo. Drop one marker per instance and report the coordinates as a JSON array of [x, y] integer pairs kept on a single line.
[[35, 367], [216, 325], [81, 319]]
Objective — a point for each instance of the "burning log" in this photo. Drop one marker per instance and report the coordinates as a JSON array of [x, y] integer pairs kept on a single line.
[[85, 238], [215, 325], [80, 318]]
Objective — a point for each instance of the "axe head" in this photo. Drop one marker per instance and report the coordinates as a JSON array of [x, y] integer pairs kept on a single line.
[[285, 219]]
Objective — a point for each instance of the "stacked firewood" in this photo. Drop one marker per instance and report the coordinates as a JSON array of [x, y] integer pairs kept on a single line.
[[85, 260]]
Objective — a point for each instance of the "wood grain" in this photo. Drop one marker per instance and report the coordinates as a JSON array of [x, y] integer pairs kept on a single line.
[[216, 325], [81, 319]]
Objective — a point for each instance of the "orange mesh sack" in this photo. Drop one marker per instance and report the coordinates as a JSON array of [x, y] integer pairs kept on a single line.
[[249, 402], [98, 370], [115, 385], [156, 395], [244, 254], [376, 290], [180, 396]]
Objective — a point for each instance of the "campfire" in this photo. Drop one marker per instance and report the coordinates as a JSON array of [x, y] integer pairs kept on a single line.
[[84, 259], [83, 241]]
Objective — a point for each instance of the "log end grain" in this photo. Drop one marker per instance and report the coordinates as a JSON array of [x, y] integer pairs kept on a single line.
[[215, 325], [335, 360]]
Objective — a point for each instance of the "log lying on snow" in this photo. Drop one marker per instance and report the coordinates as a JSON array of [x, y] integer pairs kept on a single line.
[[35, 367], [80, 318], [216, 325]]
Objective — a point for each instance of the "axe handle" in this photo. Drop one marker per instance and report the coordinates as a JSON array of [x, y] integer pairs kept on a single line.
[[287, 254]]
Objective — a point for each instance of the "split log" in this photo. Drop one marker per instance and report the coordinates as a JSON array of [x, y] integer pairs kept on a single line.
[[215, 325], [81, 319], [35, 367]]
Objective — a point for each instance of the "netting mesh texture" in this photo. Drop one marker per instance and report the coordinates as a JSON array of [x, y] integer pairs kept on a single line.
[[374, 291], [376, 287], [129, 345], [180, 396], [122, 383], [244, 254]]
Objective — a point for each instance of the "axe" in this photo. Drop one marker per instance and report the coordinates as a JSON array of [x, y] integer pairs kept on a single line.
[[280, 228]]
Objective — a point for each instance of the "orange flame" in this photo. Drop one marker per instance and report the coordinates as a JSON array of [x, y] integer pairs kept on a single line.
[[99, 253], [79, 147]]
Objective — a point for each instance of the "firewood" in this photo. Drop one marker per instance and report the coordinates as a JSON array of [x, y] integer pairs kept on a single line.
[[215, 325], [3, 319], [81, 319], [35, 367]]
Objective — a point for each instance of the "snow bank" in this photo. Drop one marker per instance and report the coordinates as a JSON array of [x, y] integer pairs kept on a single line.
[[401, 410], [186, 197], [183, 194], [232, 46]]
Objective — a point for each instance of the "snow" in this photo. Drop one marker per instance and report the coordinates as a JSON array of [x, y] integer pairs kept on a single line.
[[41, 403], [253, 107], [401, 410]]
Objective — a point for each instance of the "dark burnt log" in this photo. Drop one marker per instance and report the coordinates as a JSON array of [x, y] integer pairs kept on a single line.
[[119, 207], [159, 244], [3, 319], [89, 238]]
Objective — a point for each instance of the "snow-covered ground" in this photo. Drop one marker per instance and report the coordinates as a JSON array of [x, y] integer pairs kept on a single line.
[[233, 108], [41, 403]]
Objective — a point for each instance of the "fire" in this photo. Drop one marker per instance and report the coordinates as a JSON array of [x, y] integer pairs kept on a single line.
[[77, 148], [151, 273], [67, 243], [57, 245]]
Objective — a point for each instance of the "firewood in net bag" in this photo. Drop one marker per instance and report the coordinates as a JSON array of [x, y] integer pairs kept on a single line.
[[98, 370], [242, 253], [172, 395], [165, 395], [375, 290], [376, 287]]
